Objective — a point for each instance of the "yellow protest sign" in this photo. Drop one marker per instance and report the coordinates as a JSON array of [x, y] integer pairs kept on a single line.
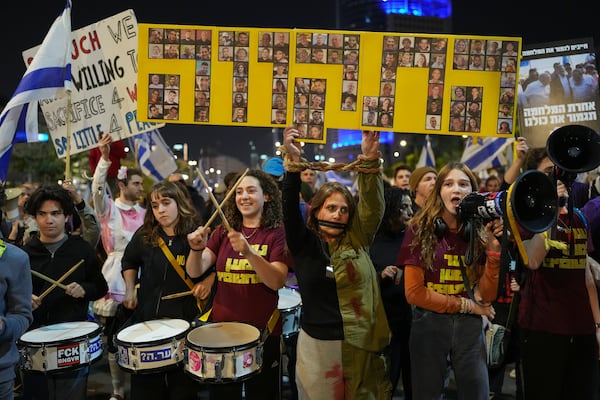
[[317, 79]]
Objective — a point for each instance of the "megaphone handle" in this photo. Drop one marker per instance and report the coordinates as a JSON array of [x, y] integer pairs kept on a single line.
[[471, 248]]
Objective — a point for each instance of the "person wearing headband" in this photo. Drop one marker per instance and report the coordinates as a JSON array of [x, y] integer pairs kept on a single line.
[[343, 325]]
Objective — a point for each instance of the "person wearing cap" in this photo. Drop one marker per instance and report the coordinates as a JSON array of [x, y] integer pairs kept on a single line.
[[15, 303], [14, 220], [422, 181], [274, 167]]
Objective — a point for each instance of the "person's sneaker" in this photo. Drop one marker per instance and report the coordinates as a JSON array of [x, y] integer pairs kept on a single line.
[[513, 374]]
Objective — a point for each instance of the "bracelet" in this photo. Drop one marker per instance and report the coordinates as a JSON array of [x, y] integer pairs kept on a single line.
[[493, 253], [597, 325], [465, 306], [193, 249]]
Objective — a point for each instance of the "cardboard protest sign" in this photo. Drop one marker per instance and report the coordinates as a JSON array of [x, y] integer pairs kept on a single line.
[[104, 95]]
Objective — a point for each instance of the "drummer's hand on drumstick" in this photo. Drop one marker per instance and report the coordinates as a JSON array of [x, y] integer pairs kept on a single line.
[[201, 290], [74, 289], [198, 238], [239, 242], [130, 299], [35, 302]]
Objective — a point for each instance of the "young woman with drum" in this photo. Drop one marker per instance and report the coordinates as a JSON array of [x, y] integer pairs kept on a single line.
[[252, 265], [158, 244], [344, 328]]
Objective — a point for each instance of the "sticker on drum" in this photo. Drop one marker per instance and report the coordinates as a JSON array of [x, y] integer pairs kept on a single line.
[[289, 305], [223, 352], [151, 346], [60, 347]]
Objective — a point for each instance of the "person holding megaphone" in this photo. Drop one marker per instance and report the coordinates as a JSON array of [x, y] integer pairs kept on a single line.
[[559, 315], [447, 313]]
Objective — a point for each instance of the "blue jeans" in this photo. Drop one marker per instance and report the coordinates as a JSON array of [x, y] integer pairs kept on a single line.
[[436, 337]]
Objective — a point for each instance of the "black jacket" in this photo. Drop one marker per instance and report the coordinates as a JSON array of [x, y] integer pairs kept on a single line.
[[57, 306]]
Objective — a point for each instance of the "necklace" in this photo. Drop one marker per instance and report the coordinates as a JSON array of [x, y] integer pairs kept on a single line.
[[250, 235]]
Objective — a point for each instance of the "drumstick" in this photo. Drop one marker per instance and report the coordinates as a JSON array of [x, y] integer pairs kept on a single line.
[[47, 279], [62, 278], [229, 193], [213, 199], [176, 295]]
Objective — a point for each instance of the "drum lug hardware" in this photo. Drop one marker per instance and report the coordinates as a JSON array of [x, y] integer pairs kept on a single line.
[[174, 347], [259, 355], [203, 366], [86, 350], [44, 364], [235, 357], [219, 369], [133, 350]]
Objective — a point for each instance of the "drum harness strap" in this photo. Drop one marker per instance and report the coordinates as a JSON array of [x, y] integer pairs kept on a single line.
[[201, 303], [181, 273], [270, 325]]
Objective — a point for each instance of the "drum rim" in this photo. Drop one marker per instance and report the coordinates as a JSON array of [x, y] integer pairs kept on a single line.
[[179, 336], [94, 334]]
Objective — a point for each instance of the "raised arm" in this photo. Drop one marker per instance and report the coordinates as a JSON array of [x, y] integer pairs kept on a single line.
[[99, 185], [513, 172]]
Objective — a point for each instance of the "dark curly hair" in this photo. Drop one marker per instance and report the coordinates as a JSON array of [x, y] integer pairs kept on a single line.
[[272, 213], [50, 192]]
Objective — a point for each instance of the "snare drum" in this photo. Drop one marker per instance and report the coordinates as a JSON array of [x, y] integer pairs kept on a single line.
[[289, 306], [223, 352], [151, 346], [60, 347]]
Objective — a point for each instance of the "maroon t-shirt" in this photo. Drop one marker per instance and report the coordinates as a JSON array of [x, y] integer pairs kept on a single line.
[[446, 276], [241, 296], [554, 297]]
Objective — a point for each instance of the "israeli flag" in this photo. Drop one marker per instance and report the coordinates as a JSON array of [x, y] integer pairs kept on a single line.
[[154, 156], [48, 76], [427, 158], [483, 153]]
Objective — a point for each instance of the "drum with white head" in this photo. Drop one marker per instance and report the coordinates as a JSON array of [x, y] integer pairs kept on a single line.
[[60, 347], [223, 352], [152, 346]]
